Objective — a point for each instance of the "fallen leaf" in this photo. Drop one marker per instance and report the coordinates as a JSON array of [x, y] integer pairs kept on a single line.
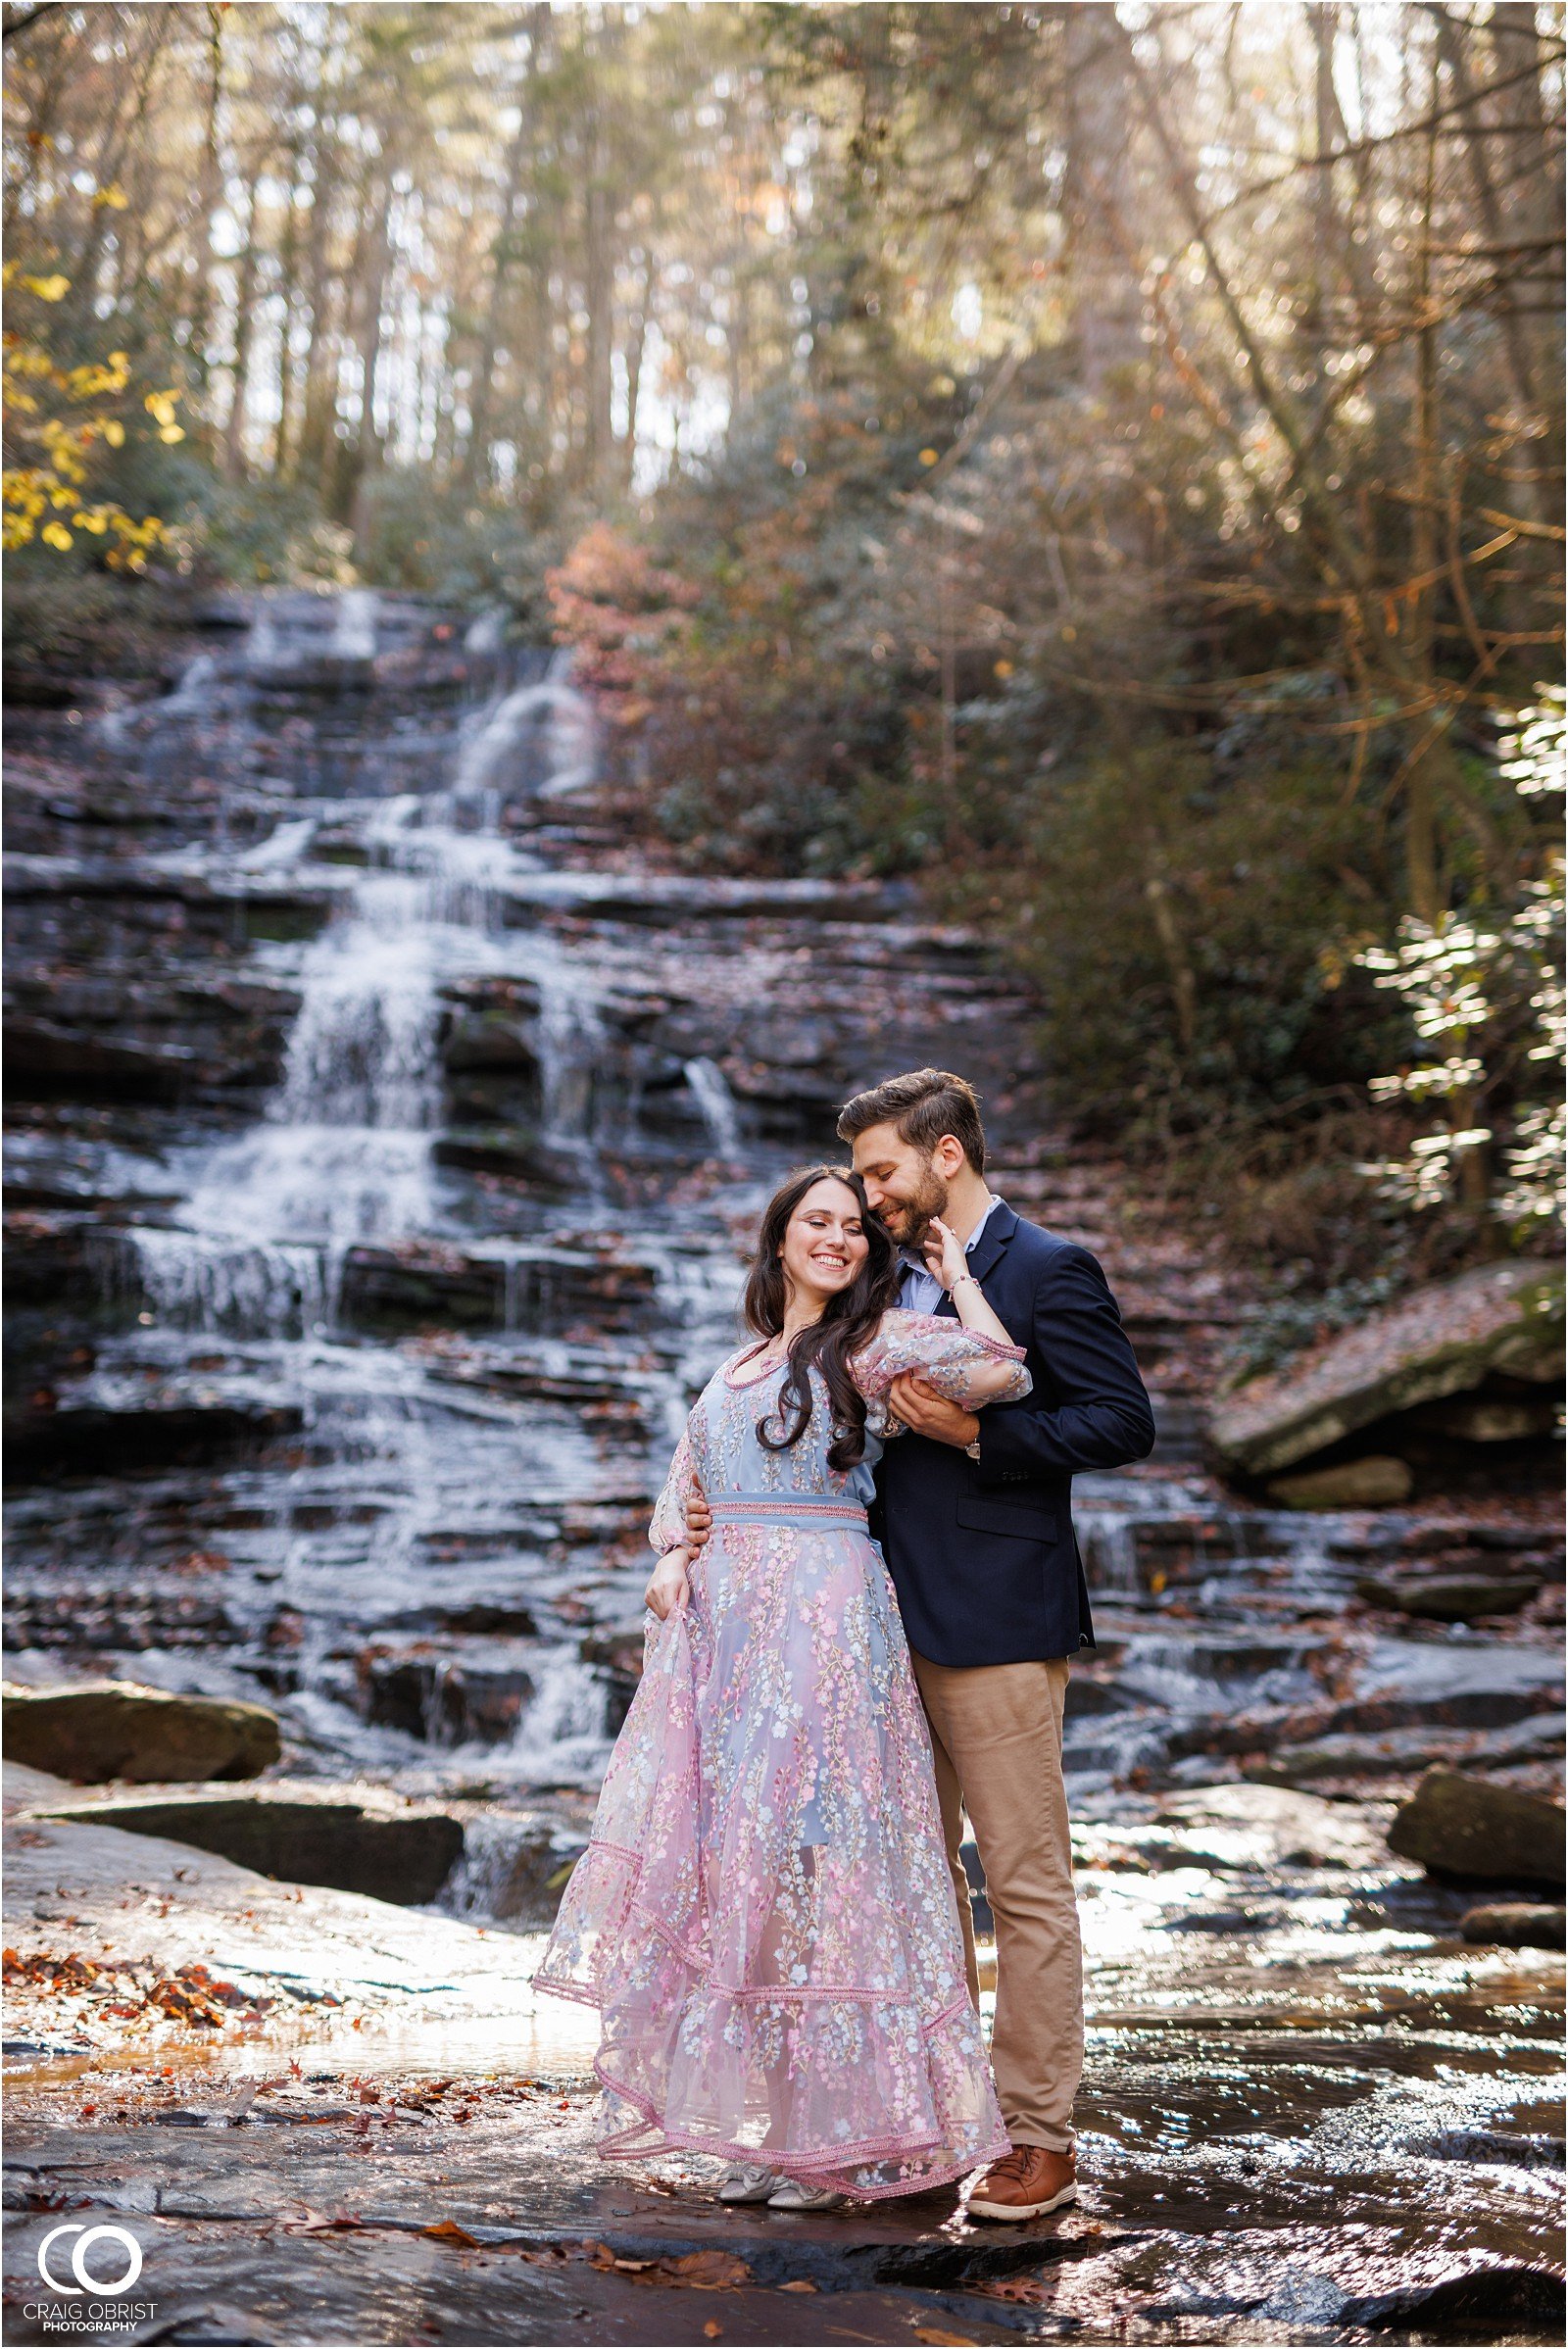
[[1021, 2288], [697, 2271], [798, 2284], [953, 2340], [314, 2222], [447, 2231], [713, 2331]]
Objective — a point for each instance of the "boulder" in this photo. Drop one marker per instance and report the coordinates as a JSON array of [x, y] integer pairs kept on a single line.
[[1471, 1830], [1376, 1481], [1442, 1340], [165, 1429], [1401, 1752], [444, 1697], [1449, 1597], [114, 1729], [515, 1151], [432, 1285], [1492, 1418], [420, 1285], [490, 1039], [365, 1843], [1471, 1683], [1516, 1925]]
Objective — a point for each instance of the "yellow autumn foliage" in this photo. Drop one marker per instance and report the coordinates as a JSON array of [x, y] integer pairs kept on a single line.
[[53, 418]]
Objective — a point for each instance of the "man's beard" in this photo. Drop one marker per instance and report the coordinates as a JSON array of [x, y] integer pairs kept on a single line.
[[930, 1199]]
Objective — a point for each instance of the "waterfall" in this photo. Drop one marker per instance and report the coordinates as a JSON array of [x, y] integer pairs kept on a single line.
[[194, 692], [194, 696], [485, 636], [711, 1092], [362, 1050], [571, 1040], [284, 846], [537, 740], [344, 1148], [562, 1737], [354, 623]]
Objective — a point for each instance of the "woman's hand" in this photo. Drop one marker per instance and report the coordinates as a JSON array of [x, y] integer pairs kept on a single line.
[[668, 1588], [945, 1259]]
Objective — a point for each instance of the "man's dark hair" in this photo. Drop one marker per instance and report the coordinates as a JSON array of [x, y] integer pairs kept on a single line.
[[923, 1106]]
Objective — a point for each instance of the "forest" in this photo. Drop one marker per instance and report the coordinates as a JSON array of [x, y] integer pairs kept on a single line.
[[1100, 463]]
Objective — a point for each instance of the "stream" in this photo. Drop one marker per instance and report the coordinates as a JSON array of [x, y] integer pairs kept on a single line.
[[386, 1131]]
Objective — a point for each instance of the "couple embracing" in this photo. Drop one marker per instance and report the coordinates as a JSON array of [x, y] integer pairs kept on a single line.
[[864, 1615]]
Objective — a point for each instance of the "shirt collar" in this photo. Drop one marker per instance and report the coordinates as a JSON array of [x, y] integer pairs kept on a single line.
[[916, 1263]]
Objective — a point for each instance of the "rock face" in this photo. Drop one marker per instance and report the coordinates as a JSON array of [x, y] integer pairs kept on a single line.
[[1516, 1925], [447, 1697], [1462, 1827], [1441, 1340], [114, 1729], [1449, 1597], [1376, 1481], [313, 1836]]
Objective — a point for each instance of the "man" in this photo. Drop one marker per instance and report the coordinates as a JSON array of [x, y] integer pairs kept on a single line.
[[974, 1516]]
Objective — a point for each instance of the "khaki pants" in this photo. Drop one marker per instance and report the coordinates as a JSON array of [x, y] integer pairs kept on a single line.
[[996, 1732]]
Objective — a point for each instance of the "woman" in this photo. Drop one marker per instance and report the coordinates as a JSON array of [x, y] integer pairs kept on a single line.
[[764, 1915]]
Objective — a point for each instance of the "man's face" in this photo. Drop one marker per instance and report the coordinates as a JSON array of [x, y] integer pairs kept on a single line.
[[903, 1187]]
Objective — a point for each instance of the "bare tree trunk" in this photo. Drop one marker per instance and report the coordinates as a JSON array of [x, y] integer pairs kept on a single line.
[[601, 294], [111, 150], [367, 455], [1421, 846], [1105, 301], [1478, 137], [323, 285], [475, 455], [636, 345], [202, 304], [234, 450], [34, 140]]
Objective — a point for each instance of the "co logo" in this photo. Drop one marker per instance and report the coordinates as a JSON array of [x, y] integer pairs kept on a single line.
[[86, 2281]]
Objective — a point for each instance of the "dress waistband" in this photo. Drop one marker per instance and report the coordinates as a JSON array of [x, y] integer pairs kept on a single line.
[[778, 1508]]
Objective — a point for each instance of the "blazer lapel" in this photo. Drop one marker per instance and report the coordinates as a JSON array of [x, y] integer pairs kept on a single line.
[[999, 1228], [984, 1257]]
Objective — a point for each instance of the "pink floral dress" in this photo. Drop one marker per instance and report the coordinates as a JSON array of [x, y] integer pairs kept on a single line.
[[764, 1915]]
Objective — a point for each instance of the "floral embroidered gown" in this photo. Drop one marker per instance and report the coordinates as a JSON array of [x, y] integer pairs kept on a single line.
[[764, 1915]]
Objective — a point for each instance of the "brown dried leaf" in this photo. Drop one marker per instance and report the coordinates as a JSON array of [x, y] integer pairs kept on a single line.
[[692, 2272], [447, 2231], [1028, 2289]]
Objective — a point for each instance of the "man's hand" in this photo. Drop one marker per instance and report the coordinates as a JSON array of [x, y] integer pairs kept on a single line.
[[699, 1517], [928, 1413]]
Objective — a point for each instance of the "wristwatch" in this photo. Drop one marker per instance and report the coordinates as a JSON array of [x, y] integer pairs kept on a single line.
[[973, 1449]]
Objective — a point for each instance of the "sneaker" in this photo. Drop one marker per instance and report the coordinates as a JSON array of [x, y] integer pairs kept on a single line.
[[792, 2196], [750, 2182], [1025, 2184]]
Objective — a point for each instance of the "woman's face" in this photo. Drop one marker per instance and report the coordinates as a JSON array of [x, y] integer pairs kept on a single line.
[[825, 1242]]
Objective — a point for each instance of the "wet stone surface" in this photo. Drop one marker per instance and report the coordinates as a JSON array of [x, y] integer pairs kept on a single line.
[[1310, 2114], [385, 1131]]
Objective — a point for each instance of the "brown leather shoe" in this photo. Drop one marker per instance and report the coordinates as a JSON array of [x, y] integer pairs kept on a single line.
[[1025, 2184]]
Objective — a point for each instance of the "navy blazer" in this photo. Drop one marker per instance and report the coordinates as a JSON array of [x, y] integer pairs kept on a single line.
[[981, 1552]]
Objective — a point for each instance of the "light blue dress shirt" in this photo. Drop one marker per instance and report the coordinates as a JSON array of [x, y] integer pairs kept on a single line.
[[920, 1290]]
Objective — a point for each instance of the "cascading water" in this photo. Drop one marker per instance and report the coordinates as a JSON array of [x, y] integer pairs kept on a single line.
[[536, 740], [711, 1089], [343, 1159]]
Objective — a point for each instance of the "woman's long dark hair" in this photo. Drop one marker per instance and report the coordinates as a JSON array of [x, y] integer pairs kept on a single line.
[[848, 1321]]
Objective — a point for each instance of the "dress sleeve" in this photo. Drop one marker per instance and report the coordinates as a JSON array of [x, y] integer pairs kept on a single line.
[[667, 1530], [946, 1355]]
